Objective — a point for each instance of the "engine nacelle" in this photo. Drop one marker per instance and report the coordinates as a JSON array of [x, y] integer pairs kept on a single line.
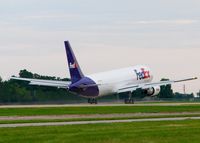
[[153, 91]]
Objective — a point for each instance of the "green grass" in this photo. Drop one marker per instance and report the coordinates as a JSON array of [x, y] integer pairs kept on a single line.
[[96, 110], [142, 132]]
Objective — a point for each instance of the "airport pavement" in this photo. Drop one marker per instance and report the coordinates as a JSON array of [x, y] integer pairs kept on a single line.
[[95, 122], [96, 116], [100, 104]]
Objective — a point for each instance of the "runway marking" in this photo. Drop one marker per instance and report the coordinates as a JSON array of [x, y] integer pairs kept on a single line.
[[95, 122]]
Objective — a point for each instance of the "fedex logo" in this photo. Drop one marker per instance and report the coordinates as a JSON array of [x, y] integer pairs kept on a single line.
[[73, 66], [143, 74]]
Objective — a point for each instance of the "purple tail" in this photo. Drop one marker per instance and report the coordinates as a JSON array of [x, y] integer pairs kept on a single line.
[[74, 69]]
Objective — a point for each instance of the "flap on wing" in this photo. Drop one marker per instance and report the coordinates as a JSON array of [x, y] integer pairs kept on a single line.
[[161, 83], [133, 87], [52, 83], [58, 85], [128, 89]]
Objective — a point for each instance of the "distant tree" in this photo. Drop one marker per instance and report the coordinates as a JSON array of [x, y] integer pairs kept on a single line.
[[191, 95], [15, 91], [198, 94], [25, 74], [166, 90], [139, 93], [65, 79], [183, 96]]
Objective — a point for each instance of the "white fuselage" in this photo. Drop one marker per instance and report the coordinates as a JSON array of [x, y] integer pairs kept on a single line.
[[111, 81]]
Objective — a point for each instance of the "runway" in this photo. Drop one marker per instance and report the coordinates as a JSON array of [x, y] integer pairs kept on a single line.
[[100, 104], [96, 116], [95, 122]]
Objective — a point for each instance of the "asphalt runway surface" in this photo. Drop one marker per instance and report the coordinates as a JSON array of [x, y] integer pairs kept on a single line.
[[96, 116], [96, 122], [100, 104]]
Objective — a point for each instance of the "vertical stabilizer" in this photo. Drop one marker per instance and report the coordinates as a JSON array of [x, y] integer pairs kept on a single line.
[[74, 69]]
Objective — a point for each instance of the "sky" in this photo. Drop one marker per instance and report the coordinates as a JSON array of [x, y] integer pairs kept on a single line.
[[105, 35]]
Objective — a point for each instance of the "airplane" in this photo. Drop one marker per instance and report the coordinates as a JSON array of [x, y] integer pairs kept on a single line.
[[106, 83]]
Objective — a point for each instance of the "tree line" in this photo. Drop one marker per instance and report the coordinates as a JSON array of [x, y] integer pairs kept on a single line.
[[14, 91]]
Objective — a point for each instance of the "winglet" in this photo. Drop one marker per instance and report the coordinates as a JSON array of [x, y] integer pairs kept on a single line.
[[74, 69]]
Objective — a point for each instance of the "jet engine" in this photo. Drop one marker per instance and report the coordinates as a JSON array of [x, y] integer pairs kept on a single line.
[[153, 91]]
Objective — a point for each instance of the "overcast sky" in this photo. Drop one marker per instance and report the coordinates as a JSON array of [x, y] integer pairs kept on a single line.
[[105, 35]]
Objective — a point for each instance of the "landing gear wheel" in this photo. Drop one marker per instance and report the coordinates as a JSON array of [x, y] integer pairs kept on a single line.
[[92, 101], [95, 101], [130, 100]]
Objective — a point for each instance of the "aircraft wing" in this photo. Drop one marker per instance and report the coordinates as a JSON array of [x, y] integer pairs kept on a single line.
[[39, 82], [131, 88]]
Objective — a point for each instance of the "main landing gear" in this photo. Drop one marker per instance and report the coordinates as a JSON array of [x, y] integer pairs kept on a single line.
[[130, 100], [92, 101]]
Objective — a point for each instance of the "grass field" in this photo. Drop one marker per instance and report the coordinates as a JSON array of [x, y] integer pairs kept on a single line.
[[96, 110], [142, 132]]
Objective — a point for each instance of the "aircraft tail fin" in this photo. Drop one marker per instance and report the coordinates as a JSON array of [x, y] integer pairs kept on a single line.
[[74, 69]]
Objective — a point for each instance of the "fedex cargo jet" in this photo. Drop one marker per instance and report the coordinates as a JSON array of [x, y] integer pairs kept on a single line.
[[100, 84]]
